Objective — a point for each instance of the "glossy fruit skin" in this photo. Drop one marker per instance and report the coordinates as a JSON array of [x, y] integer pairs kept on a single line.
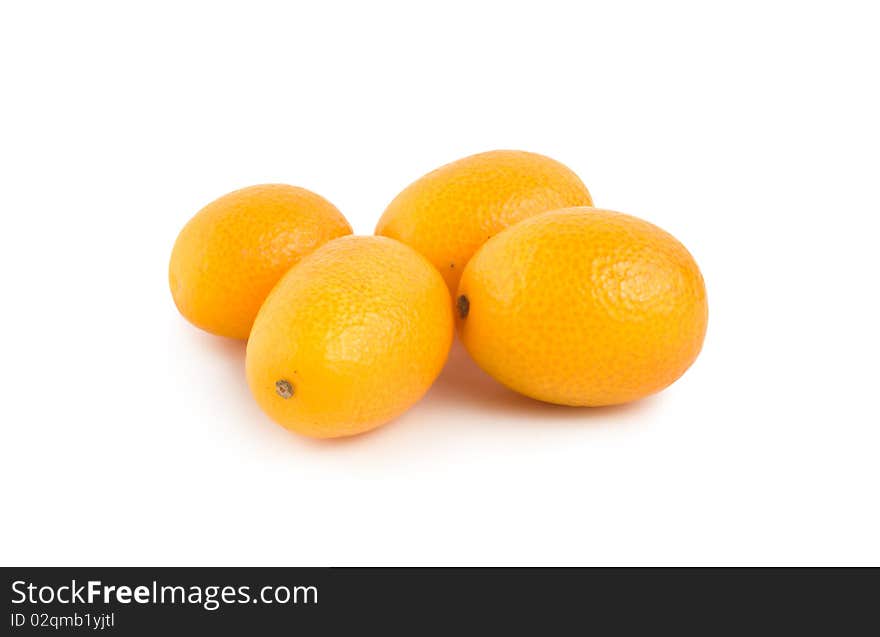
[[450, 212], [230, 254], [354, 335], [583, 307]]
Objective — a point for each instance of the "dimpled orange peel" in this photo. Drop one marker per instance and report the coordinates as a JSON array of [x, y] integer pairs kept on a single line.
[[350, 338], [231, 253], [583, 307], [450, 212]]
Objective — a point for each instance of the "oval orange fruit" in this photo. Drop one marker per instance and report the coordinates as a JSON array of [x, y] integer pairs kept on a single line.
[[230, 254], [583, 307], [350, 338], [450, 212]]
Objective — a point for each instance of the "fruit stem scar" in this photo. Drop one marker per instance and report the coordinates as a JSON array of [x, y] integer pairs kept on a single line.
[[463, 305], [283, 388]]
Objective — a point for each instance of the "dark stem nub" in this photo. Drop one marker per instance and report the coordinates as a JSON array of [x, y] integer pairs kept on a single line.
[[463, 305], [283, 388]]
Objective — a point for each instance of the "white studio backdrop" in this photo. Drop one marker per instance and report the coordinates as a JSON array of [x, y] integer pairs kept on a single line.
[[748, 130]]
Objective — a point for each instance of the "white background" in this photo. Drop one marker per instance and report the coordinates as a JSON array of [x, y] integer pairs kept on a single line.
[[748, 130]]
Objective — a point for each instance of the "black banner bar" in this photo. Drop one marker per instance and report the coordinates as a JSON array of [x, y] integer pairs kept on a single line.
[[264, 601]]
